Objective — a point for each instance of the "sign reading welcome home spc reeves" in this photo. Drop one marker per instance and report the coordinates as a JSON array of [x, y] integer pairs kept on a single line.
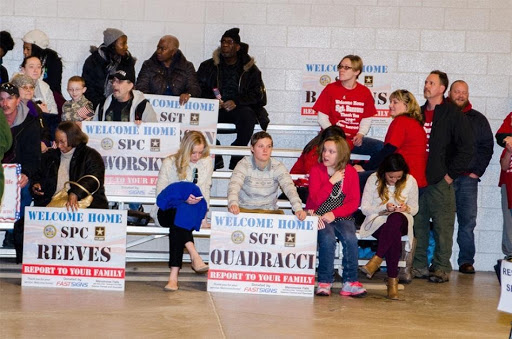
[[84, 249], [316, 76], [10, 204], [196, 114], [262, 254], [132, 153]]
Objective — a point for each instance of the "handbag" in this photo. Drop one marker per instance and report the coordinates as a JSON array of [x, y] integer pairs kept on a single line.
[[60, 198]]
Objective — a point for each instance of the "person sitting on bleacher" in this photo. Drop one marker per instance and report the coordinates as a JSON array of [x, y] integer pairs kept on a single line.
[[192, 164], [309, 158], [334, 196], [255, 181], [390, 200]]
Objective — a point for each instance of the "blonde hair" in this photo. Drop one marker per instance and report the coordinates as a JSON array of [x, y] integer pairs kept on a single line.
[[413, 108], [356, 61], [342, 149], [182, 158]]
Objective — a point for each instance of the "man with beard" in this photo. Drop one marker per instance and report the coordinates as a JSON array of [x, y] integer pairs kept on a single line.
[[125, 103], [232, 76], [466, 185], [449, 152], [168, 72]]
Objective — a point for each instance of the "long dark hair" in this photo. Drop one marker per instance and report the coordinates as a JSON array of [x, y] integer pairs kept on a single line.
[[392, 163], [326, 133]]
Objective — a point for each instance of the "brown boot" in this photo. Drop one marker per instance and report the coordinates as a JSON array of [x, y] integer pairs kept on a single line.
[[371, 266], [393, 288]]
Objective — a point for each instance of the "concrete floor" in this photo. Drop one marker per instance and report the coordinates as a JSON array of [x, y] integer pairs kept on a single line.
[[464, 307]]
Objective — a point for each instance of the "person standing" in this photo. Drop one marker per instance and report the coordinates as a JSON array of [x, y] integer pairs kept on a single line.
[[5, 144], [6, 44], [466, 185], [232, 76], [450, 149], [504, 139], [168, 72]]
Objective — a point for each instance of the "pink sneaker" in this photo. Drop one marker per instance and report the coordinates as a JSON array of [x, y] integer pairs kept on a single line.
[[323, 289], [353, 289]]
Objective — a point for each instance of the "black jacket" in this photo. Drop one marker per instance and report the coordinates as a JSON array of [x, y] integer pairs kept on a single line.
[[26, 146], [181, 76], [96, 71], [450, 144], [251, 90], [484, 142], [85, 160]]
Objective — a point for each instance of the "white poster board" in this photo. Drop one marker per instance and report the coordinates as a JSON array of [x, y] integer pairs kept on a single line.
[[132, 153], [262, 254], [505, 304], [318, 75], [84, 249], [197, 114], [10, 204]]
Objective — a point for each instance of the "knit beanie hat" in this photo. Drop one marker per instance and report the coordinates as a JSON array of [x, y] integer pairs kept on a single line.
[[20, 80], [110, 35], [37, 37], [6, 42], [233, 34]]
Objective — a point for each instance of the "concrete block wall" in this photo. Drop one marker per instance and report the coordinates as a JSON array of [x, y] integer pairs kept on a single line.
[[469, 39]]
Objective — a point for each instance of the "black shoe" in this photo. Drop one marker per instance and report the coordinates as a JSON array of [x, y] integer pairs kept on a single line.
[[439, 277], [467, 269]]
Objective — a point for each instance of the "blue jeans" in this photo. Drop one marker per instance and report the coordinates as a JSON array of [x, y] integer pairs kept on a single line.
[[369, 147], [345, 231], [466, 192]]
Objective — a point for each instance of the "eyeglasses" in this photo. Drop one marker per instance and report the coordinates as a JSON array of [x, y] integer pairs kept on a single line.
[[227, 41], [194, 175], [28, 87], [346, 68]]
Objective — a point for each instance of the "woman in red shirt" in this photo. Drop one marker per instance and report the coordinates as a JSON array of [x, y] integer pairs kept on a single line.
[[405, 136]]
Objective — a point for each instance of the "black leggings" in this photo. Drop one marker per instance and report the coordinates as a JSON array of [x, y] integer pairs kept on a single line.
[[178, 237]]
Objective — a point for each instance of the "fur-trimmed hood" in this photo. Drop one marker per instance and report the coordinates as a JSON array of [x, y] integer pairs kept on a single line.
[[246, 59]]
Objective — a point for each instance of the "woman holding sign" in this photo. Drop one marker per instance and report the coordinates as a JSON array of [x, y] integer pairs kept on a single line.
[[334, 196], [390, 200], [183, 193]]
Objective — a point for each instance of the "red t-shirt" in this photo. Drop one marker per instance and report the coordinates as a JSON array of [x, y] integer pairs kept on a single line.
[[410, 139], [346, 107]]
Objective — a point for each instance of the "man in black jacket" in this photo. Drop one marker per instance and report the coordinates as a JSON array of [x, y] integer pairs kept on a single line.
[[466, 185], [232, 76], [168, 72], [449, 149]]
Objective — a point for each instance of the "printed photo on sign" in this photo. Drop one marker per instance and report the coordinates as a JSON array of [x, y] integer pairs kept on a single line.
[[132, 154], [10, 204], [84, 249], [262, 254]]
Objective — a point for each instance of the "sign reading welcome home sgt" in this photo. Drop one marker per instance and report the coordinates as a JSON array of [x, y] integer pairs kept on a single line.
[[262, 254], [132, 153], [10, 204], [196, 114], [84, 249], [318, 75]]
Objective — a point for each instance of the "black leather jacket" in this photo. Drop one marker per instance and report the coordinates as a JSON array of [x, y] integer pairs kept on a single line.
[[181, 76], [85, 160]]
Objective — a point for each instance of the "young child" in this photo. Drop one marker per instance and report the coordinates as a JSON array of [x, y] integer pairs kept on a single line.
[[78, 108], [334, 196]]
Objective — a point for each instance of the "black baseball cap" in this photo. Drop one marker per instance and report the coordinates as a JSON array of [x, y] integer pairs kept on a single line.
[[122, 74], [10, 89]]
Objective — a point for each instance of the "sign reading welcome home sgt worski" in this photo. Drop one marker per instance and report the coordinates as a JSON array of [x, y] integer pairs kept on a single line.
[[132, 153], [84, 249], [262, 254]]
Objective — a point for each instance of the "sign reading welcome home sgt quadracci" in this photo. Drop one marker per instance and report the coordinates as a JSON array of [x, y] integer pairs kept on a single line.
[[84, 249], [262, 254], [10, 204], [196, 114], [132, 153]]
